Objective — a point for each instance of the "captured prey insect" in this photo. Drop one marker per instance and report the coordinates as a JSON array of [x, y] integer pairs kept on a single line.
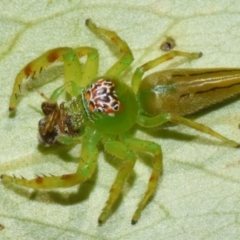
[[104, 110]]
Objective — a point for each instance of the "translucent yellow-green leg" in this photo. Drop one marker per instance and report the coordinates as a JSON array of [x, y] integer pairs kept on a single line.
[[119, 150], [74, 72], [137, 76], [67, 140], [45, 60], [127, 57], [86, 167], [60, 90], [153, 148], [31, 68], [149, 122], [90, 67]]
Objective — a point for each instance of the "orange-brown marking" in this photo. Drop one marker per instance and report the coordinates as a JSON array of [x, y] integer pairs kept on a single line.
[[152, 179], [39, 180], [66, 176], [53, 56], [28, 69], [114, 40]]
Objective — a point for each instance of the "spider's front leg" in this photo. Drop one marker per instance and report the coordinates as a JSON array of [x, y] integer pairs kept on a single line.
[[56, 126], [86, 167], [79, 76]]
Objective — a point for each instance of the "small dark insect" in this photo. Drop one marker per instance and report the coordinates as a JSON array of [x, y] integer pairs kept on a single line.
[[168, 44]]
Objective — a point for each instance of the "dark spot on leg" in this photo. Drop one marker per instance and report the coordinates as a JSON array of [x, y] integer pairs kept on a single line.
[[133, 222], [66, 176], [39, 180], [28, 70], [53, 56]]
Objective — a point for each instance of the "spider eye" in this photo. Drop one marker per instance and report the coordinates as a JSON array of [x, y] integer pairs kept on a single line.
[[101, 97]]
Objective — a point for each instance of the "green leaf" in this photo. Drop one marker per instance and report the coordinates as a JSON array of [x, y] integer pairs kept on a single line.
[[198, 195]]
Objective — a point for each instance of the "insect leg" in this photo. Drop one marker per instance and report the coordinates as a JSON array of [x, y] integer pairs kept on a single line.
[[137, 76], [86, 167], [41, 62], [153, 148], [158, 120], [89, 69], [119, 150], [31, 68], [127, 57]]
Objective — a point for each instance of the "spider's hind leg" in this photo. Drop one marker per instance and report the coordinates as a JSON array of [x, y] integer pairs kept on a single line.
[[150, 122]]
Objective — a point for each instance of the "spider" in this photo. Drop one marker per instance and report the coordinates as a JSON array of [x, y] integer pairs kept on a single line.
[[104, 110]]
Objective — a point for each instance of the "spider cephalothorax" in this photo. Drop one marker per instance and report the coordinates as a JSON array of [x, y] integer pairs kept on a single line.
[[101, 97]]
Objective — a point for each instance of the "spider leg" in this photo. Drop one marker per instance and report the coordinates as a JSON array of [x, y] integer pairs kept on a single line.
[[127, 58], [74, 72], [158, 120], [155, 149], [86, 167], [119, 150], [137, 76], [50, 57], [67, 140]]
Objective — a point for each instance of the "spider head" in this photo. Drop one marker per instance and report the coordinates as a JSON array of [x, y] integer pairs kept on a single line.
[[109, 105]]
